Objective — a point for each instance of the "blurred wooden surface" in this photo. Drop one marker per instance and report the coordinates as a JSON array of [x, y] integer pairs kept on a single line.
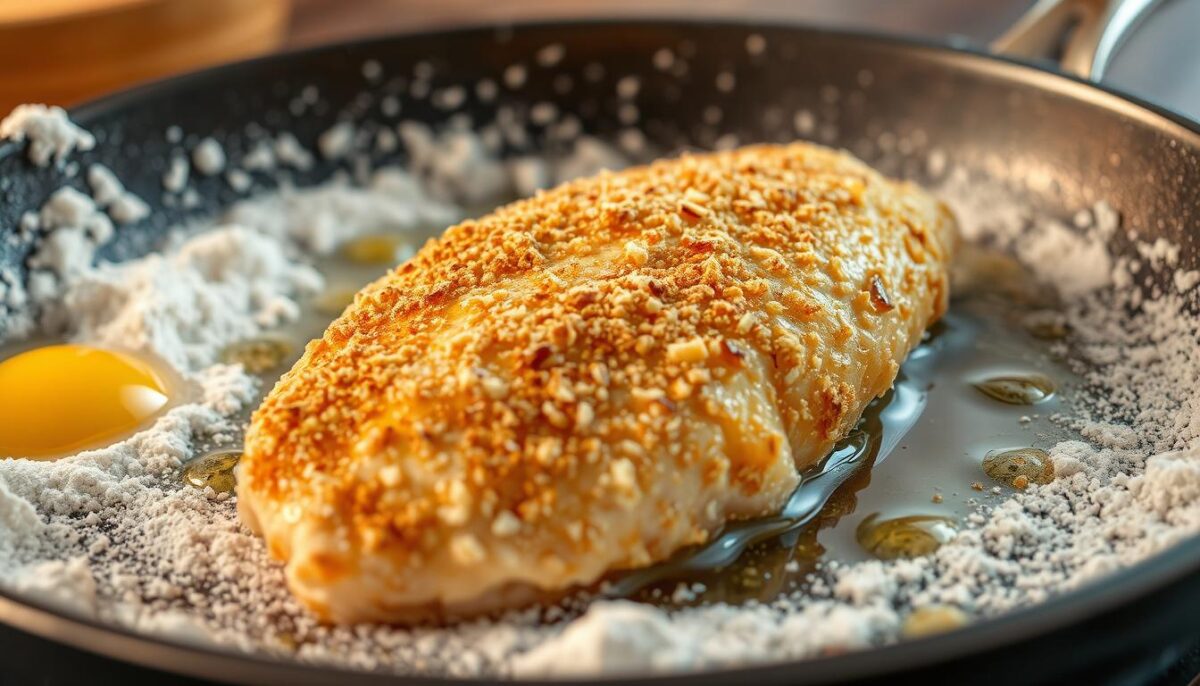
[[47, 10], [65, 51]]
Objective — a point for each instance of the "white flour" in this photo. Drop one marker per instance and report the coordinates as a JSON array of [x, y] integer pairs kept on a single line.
[[224, 285], [111, 533], [123, 206], [50, 133], [208, 157], [317, 219]]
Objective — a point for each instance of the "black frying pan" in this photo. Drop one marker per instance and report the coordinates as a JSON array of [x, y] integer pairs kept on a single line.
[[968, 104]]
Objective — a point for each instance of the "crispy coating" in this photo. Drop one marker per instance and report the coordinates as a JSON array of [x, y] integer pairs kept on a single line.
[[591, 379]]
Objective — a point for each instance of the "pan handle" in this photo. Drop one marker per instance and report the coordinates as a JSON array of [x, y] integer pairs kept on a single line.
[[1084, 33]]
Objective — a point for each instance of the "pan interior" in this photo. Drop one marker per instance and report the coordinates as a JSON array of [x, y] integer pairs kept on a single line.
[[990, 142]]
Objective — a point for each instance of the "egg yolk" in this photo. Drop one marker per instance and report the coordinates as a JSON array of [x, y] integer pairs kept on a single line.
[[61, 399]]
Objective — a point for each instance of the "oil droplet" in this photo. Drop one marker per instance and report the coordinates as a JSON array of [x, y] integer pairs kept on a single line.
[[1028, 389], [381, 249], [904, 537], [60, 399], [1046, 325], [333, 302], [1019, 467], [933, 619], [257, 355], [750, 579], [213, 470], [287, 640]]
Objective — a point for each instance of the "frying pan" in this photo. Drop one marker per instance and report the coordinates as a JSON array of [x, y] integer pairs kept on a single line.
[[976, 108]]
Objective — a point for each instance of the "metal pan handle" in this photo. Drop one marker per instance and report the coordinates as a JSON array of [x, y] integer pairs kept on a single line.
[[1085, 34]]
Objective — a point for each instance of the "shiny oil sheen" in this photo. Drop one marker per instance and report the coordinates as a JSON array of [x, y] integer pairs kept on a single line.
[[913, 456]]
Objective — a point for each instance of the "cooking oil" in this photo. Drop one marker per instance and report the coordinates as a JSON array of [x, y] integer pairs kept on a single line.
[[902, 481], [984, 380]]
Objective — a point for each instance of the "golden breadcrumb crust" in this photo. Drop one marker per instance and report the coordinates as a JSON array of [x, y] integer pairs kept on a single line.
[[531, 375]]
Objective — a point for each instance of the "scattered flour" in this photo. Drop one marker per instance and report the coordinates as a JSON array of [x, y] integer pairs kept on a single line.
[[1053, 245], [290, 153], [261, 157], [238, 180], [176, 177], [111, 534], [209, 157], [224, 285], [74, 228], [51, 135], [320, 218], [338, 141], [108, 192], [67, 585]]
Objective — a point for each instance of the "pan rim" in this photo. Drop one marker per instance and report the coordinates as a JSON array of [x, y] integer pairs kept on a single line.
[[1088, 601], [949, 50]]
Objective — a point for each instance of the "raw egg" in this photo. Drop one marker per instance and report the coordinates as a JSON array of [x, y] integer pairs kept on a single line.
[[61, 399]]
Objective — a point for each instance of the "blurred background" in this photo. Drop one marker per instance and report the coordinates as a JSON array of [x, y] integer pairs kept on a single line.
[[65, 51]]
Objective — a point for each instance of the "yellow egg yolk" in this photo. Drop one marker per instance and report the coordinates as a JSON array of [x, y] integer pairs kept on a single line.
[[61, 399]]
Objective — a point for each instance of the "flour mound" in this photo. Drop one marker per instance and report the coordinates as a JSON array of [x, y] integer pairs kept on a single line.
[[224, 285]]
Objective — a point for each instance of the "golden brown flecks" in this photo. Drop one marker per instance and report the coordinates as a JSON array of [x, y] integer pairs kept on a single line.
[[568, 355]]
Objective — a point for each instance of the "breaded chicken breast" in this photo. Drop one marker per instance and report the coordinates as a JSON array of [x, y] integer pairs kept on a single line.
[[591, 379]]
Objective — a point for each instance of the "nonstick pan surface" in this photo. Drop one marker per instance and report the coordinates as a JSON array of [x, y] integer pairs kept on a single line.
[[1058, 142]]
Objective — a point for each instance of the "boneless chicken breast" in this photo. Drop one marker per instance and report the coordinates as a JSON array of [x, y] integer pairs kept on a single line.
[[591, 379]]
